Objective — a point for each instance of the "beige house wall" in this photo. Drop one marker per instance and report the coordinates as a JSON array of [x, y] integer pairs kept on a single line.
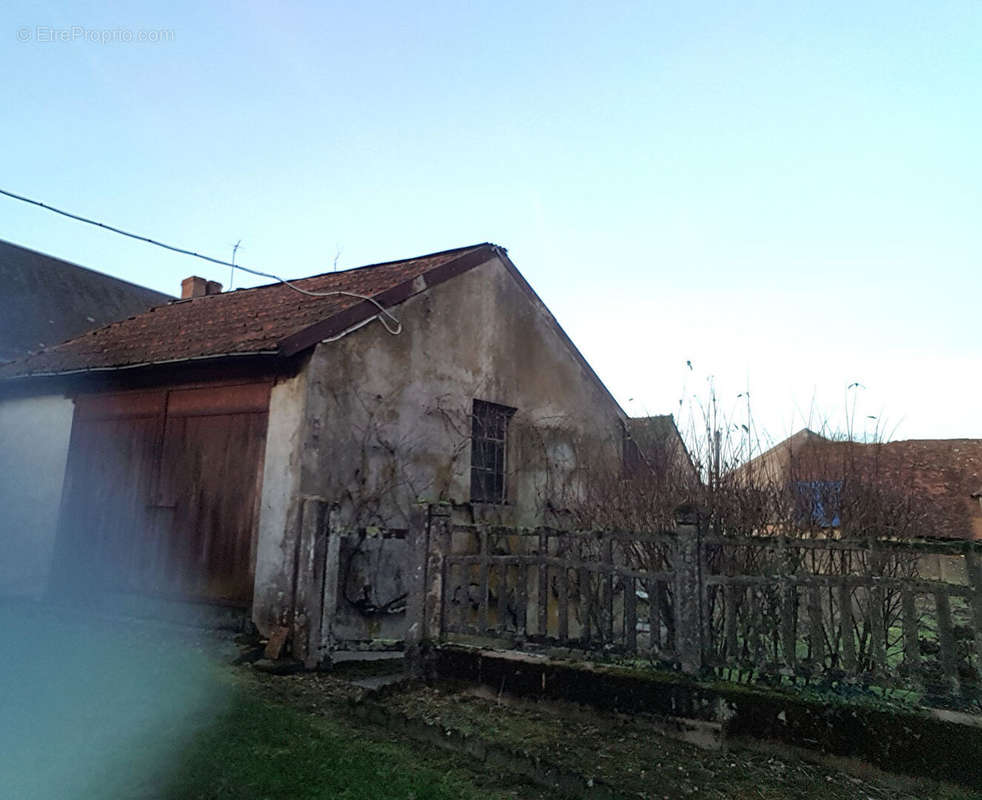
[[386, 419], [391, 415]]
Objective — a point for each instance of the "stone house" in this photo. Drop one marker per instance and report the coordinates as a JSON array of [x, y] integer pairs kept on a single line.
[[916, 488], [934, 478], [170, 455], [655, 443]]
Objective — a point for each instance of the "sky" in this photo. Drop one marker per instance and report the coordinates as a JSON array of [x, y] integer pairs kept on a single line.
[[784, 196]]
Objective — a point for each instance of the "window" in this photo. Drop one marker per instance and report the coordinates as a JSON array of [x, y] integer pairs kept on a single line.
[[819, 502], [489, 447]]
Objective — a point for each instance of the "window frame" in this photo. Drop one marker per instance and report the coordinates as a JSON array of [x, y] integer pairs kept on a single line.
[[489, 452], [819, 503]]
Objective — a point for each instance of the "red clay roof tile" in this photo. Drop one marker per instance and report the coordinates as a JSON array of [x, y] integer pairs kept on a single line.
[[246, 321], [942, 473]]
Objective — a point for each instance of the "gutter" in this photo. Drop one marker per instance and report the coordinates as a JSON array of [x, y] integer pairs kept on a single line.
[[121, 368]]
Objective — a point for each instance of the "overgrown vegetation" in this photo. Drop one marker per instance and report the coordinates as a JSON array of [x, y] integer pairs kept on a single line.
[[849, 638], [847, 628], [626, 752], [829, 482]]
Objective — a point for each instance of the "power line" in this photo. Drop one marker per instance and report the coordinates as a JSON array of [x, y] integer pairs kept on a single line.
[[394, 327]]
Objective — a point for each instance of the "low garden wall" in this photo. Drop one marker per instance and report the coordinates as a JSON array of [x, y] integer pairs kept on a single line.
[[939, 745]]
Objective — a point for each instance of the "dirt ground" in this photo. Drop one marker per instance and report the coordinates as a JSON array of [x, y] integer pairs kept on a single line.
[[628, 754], [93, 703]]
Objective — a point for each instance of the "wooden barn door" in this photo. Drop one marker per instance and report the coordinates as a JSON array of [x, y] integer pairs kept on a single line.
[[162, 492], [206, 502], [105, 515]]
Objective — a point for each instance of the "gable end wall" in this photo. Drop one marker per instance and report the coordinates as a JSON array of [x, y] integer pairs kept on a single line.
[[392, 413]]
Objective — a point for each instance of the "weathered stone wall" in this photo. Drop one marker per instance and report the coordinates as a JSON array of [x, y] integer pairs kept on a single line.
[[377, 423], [392, 413], [279, 515], [34, 437]]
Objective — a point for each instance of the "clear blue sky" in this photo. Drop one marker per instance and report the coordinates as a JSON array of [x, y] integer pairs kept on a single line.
[[788, 197]]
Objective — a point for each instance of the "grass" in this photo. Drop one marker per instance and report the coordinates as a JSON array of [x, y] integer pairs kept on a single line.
[[106, 709], [626, 752], [259, 749], [96, 708]]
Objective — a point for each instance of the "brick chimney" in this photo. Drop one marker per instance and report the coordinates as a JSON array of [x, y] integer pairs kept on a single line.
[[199, 287], [193, 287]]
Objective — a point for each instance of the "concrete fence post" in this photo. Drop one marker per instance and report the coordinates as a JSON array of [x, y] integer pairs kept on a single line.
[[329, 556], [416, 633], [438, 547], [308, 603], [974, 570], [429, 541], [688, 591]]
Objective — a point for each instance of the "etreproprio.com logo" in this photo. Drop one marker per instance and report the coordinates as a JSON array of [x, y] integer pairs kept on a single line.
[[45, 34]]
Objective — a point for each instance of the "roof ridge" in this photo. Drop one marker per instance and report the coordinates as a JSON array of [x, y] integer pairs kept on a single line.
[[280, 282], [940, 439]]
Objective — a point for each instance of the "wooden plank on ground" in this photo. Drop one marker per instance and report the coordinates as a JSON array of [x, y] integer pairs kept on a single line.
[[276, 643]]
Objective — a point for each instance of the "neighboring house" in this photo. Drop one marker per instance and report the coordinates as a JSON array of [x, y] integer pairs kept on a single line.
[[655, 442], [930, 483], [45, 300], [190, 435]]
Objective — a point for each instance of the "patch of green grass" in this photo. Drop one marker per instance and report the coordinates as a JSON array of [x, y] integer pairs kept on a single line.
[[262, 750]]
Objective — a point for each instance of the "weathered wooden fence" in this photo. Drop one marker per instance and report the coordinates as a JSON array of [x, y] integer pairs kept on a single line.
[[761, 608], [852, 609], [351, 585]]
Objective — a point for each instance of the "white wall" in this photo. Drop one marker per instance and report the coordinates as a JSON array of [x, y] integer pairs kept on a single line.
[[279, 505], [395, 411], [34, 437]]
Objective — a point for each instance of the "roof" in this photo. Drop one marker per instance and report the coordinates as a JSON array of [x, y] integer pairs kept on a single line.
[[941, 473], [661, 444], [658, 428], [46, 300], [266, 320], [945, 472]]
